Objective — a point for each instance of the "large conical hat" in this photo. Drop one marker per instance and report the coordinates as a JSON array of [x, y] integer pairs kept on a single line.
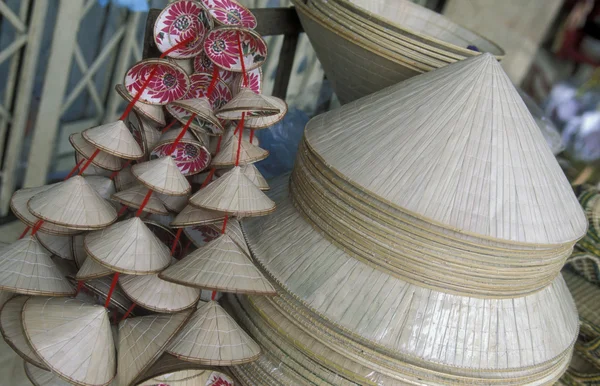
[[26, 268], [142, 340], [91, 169], [219, 266], [162, 175], [158, 295], [254, 175], [234, 230], [262, 122], [41, 377], [90, 269], [102, 159], [173, 203], [104, 186], [125, 179], [11, 327], [134, 197], [72, 338], [114, 138], [234, 193], [60, 246], [227, 155], [186, 378], [74, 204], [205, 118], [154, 113], [128, 247], [196, 216], [249, 103], [212, 337], [101, 287], [449, 143], [18, 204]]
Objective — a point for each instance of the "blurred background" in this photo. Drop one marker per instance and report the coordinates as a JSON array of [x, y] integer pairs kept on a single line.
[[60, 60]]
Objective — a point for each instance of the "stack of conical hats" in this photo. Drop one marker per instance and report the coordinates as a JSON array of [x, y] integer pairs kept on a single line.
[[419, 241]]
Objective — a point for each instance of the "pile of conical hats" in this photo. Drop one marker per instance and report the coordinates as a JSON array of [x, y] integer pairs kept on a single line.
[[99, 290], [367, 45], [419, 241]]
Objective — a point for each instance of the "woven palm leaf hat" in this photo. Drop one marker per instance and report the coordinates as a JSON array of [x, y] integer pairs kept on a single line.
[[397, 40], [422, 253]]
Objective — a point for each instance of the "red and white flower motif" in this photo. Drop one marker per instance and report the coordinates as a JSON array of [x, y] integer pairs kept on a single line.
[[254, 81], [200, 84], [219, 379], [223, 49], [189, 158], [179, 21], [203, 64], [168, 82], [201, 235], [228, 12]]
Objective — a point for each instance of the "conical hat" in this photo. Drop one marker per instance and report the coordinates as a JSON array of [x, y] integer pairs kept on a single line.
[[255, 176], [72, 338], [170, 135], [102, 159], [79, 254], [267, 121], [173, 203], [246, 101], [11, 327], [114, 138], [184, 378], [162, 175], [134, 197], [101, 287], [158, 295], [234, 193], [142, 340], [105, 187], [128, 247], [230, 132], [228, 153], [18, 204], [125, 179], [219, 266], [212, 337], [91, 169], [205, 118], [153, 112], [73, 203], [234, 230], [196, 216], [60, 246], [40, 377], [449, 143], [90, 269], [26, 268]]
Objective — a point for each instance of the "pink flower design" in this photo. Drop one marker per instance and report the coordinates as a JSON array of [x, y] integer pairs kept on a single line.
[[168, 83], [221, 49], [231, 13], [199, 88], [182, 20], [189, 158]]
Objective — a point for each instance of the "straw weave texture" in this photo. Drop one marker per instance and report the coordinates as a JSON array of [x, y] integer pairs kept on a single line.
[[26, 268], [219, 266], [205, 119], [162, 175], [254, 175], [196, 216], [114, 138], [173, 203], [248, 103], [11, 325], [133, 198], [72, 338], [153, 112], [102, 159], [60, 246], [79, 254], [73, 203], [233, 193], [41, 377], [142, 340], [90, 269], [212, 337], [128, 247], [125, 179], [227, 155], [262, 122]]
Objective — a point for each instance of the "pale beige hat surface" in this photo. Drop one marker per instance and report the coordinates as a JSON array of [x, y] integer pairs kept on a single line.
[[173, 203], [91, 170], [18, 204], [60, 246], [11, 327], [233, 193], [72, 338], [221, 266], [204, 121], [134, 197], [142, 340], [228, 154], [101, 286], [246, 102], [79, 254], [40, 377], [212, 337], [26, 268], [153, 293], [125, 179], [102, 159], [254, 175], [128, 247], [104, 186], [114, 138], [153, 112], [73, 203], [163, 176], [234, 230], [90, 269], [262, 122], [191, 215], [478, 114]]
